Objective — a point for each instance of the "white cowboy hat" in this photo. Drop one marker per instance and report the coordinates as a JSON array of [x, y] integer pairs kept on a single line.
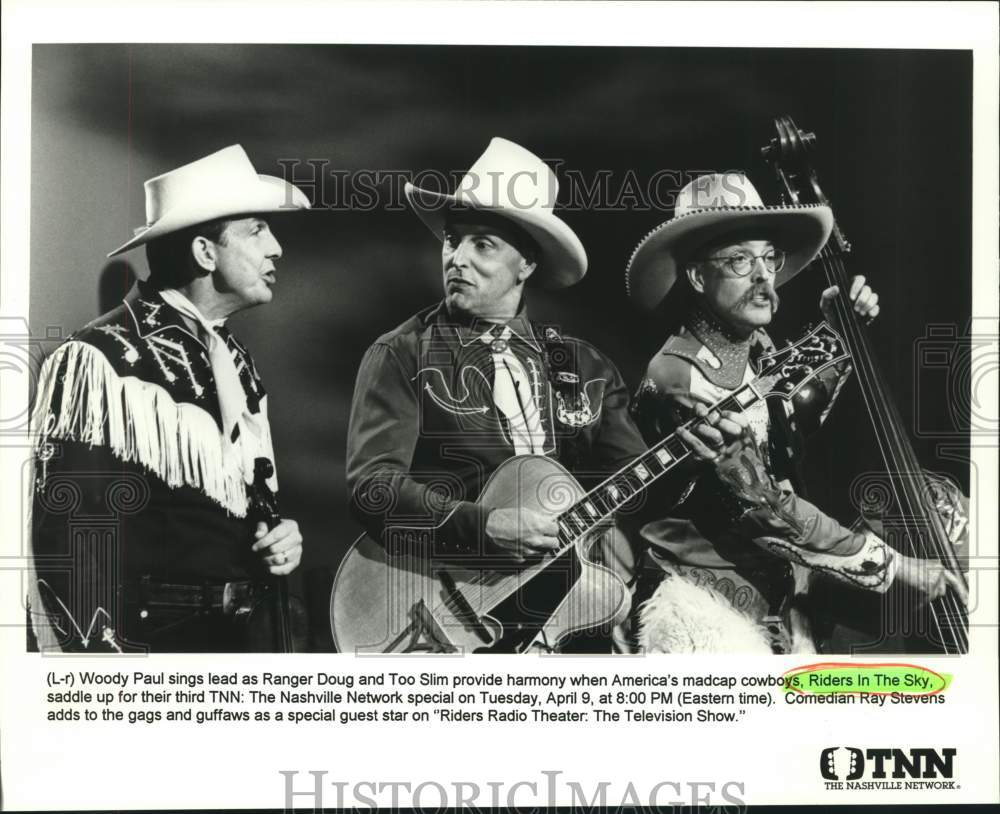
[[509, 181], [710, 207], [220, 184]]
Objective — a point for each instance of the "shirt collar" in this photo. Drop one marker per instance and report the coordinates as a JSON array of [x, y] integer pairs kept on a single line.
[[470, 330], [731, 353], [152, 314]]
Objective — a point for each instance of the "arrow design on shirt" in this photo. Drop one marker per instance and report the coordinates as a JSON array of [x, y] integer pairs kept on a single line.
[[107, 633], [453, 404]]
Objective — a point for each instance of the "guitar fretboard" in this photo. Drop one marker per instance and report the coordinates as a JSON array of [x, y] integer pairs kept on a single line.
[[608, 497]]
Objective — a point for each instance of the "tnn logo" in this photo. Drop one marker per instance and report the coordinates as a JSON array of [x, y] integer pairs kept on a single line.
[[849, 762]]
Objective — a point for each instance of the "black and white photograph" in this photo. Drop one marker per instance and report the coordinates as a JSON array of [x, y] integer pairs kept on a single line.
[[602, 356], [635, 243]]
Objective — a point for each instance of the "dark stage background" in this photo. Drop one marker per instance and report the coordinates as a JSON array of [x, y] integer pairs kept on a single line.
[[894, 132]]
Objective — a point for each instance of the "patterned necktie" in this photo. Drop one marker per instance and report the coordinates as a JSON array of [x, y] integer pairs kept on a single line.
[[513, 394]]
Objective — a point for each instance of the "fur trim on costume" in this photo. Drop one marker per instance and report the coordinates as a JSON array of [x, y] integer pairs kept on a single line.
[[681, 617], [139, 422]]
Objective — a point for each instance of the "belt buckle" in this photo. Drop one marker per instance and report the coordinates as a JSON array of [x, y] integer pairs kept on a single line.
[[237, 600]]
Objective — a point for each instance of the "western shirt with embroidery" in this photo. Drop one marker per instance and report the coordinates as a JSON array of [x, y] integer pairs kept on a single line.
[[426, 432], [133, 478], [703, 364]]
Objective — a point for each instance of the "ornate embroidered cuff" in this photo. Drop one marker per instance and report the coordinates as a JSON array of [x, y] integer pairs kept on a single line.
[[873, 567]]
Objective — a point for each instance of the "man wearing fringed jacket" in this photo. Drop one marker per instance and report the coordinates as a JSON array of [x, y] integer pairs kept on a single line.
[[153, 442]]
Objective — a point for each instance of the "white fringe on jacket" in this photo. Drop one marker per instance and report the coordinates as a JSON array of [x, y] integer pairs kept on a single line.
[[140, 423]]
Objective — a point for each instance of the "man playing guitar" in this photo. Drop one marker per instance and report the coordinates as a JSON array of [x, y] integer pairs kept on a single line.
[[458, 389]]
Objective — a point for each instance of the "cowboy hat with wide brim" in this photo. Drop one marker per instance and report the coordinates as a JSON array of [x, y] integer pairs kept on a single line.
[[219, 185], [711, 208], [510, 182]]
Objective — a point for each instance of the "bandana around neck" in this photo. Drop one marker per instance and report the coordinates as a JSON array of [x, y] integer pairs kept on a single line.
[[232, 398], [731, 352]]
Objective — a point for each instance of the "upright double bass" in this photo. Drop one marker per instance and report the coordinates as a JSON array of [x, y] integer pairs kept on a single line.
[[928, 518]]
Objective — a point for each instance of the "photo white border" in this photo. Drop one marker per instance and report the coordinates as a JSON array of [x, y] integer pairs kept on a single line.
[[223, 769]]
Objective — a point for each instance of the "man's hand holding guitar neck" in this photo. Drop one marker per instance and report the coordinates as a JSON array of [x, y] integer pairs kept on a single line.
[[519, 533]]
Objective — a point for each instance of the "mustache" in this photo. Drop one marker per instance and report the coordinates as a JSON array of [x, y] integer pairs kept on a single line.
[[762, 290]]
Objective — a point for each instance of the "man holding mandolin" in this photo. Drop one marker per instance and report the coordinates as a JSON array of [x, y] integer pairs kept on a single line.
[[721, 258]]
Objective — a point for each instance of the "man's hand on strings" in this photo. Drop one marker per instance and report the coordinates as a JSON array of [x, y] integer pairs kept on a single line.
[[929, 580], [719, 431], [863, 300], [518, 533], [728, 445]]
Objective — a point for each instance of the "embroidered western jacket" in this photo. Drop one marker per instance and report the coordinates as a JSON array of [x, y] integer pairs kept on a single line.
[[711, 527], [133, 478], [425, 434]]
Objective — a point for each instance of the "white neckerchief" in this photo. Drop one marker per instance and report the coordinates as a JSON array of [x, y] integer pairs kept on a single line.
[[254, 438], [232, 397], [513, 395]]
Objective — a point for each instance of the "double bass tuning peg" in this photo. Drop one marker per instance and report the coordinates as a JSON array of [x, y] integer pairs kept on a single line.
[[789, 140]]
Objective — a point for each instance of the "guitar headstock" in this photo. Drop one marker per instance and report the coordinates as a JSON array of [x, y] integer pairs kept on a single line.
[[787, 370]]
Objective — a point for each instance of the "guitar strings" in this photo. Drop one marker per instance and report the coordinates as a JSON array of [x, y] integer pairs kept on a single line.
[[501, 592], [506, 586], [893, 449]]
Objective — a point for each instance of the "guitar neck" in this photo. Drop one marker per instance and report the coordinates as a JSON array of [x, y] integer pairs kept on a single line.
[[602, 501]]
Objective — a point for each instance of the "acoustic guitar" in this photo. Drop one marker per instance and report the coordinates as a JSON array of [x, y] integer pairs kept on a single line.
[[399, 598]]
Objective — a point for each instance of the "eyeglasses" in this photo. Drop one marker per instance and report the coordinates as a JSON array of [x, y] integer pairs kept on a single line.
[[742, 263]]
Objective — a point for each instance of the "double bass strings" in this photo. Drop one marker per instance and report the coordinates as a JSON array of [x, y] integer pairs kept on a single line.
[[899, 455], [792, 147]]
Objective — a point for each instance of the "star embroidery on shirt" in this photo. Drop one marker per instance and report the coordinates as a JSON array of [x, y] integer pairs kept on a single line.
[[131, 354]]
